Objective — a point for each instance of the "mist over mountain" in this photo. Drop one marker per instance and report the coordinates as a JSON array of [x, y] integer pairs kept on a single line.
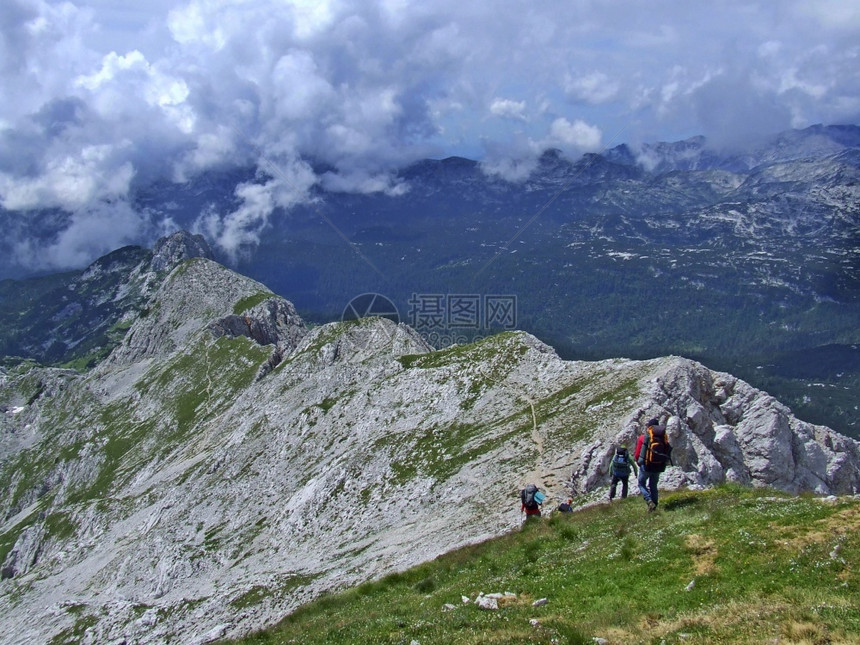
[[748, 261]]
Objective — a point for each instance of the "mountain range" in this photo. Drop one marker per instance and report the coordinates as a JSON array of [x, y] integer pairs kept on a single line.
[[747, 261], [227, 462]]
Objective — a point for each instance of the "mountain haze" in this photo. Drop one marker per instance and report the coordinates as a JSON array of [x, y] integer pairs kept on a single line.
[[747, 260], [227, 462]]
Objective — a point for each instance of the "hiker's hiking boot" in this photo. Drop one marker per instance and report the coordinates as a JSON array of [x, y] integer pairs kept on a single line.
[[651, 506]]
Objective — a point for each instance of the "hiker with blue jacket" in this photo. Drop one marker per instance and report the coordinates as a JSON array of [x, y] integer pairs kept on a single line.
[[619, 470], [652, 454]]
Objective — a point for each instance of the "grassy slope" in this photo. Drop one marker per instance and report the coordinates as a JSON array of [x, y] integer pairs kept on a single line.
[[766, 566]]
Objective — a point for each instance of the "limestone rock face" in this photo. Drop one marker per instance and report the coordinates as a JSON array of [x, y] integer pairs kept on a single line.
[[25, 552], [273, 322], [173, 249], [725, 430], [225, 464], [192, 296], [81, 316]]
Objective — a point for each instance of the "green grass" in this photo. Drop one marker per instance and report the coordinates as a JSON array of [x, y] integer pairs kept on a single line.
[[763, 566], [251, 301], [495, 353], [7, 541], [60, 525], [75, 634]]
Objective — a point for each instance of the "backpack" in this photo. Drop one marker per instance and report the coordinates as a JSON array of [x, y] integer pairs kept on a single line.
[[620, 464], [658, 452], [527, 495]]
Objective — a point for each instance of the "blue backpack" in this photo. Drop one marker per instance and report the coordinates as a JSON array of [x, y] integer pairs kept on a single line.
[[621, 463]]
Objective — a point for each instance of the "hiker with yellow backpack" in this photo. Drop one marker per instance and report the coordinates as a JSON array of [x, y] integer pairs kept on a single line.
[[652, 454]]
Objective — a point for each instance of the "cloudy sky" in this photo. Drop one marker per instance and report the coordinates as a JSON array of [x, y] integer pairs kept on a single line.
[[104, 95]]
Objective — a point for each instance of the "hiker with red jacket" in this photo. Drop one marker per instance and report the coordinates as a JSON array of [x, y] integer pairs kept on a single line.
[[652, 454]]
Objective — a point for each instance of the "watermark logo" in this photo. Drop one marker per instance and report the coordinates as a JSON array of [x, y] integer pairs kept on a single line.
[[370, 304], [433, 311]]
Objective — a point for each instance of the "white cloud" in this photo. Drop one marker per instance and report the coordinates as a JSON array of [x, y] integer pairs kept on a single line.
[[578, 135], [312, 17], [211, 149], [89, 234], [41, 50], [516, 160], [509, 109], [297, 86], [510, 168], [282, 186], [110, 94], [196, 24], [594, 88], [363, 182], [72, 181]]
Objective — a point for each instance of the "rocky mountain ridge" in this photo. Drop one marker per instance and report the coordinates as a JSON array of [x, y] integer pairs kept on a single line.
[[748, 261], [227, 463], [80, 316]]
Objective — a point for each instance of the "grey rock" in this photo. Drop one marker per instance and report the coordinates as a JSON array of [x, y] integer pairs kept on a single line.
[[178, 247], [487, 603], [82, 316], [25, 553], [272, 322], [193, 295]]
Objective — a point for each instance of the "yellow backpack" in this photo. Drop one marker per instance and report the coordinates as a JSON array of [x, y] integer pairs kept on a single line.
[[658, 452]]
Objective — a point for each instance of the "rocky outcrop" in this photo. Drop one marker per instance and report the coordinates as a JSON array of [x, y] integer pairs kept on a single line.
[[25, 552], [196, 294], [82, 317], [24, 390], [724, 430], [272, 322], [173, 495], [178, 247]]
